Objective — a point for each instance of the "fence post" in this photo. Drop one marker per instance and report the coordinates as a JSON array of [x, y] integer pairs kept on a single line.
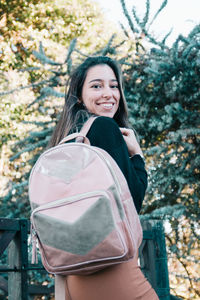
[[153, 257], [161, 262], [24, 257], [147, 253], [14, 278], [18, 259]]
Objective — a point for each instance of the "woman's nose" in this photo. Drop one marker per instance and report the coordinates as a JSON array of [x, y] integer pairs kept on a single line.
[[107, 93]]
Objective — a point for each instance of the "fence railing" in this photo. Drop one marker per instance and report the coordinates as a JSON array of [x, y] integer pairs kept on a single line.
[[14, 236]]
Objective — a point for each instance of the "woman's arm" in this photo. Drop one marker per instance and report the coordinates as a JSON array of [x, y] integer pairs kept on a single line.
[[105, 133]]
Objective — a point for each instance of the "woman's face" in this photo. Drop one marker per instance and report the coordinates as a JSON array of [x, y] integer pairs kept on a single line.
[[100, 93]]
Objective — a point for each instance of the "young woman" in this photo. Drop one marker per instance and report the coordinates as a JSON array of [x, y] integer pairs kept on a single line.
[[95, 88]]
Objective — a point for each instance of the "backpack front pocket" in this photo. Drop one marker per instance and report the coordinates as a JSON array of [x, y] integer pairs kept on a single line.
[[76, 230]]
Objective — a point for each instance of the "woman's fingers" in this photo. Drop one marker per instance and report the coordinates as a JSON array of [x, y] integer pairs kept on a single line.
[[131, 141], [126, 131]]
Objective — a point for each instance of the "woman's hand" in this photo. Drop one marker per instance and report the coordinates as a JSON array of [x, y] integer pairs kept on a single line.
[[131, 141]]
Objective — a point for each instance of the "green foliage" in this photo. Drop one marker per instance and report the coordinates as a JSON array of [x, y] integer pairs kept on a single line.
[[163, 93], [162, 89], [24, 23]]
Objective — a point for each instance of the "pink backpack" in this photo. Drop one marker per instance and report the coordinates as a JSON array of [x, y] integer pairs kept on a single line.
[[83, 215]]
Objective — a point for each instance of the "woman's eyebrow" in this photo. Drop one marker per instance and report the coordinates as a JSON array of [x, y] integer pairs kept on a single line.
[[95, 80], [102, 80]]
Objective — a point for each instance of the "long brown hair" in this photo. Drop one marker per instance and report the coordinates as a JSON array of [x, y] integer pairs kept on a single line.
[[74, 112]]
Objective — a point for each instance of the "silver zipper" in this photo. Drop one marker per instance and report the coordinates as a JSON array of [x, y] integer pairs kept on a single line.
[[69, 200]]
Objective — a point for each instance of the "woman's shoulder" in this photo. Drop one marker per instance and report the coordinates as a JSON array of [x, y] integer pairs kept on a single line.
[[105, 133], [105, 123]]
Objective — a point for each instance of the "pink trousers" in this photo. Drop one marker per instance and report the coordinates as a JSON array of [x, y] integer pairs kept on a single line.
[[121, 282]]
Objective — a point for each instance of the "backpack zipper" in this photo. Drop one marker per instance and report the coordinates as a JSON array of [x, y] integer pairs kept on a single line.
[[34, 259], [70, 200]]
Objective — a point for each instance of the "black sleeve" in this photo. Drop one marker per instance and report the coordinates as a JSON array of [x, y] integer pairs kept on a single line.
[[104, 133]]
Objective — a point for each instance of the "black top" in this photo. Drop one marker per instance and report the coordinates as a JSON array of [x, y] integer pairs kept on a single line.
[[104, 133]]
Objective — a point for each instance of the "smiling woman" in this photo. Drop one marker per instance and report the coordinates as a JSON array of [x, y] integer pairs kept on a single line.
[[95, 88], [100, 93]]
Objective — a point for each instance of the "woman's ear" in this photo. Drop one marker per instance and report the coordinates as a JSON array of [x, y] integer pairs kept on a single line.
[[80, 102]]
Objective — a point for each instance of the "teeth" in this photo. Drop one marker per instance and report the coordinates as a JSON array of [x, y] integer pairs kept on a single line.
[[108, 105]]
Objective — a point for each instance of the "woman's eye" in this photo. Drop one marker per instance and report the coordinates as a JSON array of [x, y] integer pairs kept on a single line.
[[114, 86], [96, 86]]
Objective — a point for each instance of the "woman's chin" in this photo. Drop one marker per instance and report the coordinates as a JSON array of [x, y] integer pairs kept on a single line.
[[106, 114]]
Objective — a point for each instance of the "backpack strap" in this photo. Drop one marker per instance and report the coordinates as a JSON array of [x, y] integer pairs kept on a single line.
[[80, 136], [60, 286], [87, 125]]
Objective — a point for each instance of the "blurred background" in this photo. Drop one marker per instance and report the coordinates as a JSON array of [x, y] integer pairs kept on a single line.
[[157, 44]]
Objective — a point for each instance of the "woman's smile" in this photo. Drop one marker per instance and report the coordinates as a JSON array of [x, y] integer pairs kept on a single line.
[[107, 105]]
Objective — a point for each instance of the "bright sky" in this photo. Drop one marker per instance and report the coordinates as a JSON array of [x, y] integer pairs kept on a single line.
[[182, 15]]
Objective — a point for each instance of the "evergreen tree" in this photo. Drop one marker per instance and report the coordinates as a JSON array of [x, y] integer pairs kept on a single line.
[[163, 91]]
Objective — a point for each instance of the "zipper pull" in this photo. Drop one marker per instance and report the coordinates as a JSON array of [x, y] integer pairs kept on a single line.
[[34, 248]]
